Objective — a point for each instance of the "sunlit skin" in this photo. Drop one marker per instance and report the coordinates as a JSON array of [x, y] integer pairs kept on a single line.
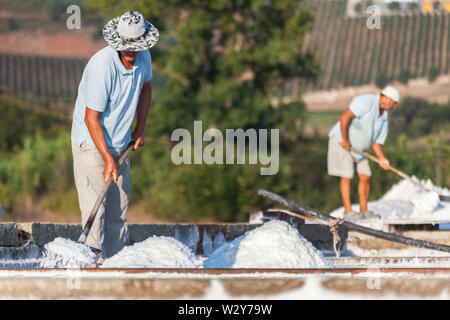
[[386, 104], [127, 58]]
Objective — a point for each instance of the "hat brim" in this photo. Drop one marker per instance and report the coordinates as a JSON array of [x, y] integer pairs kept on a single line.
[[144, 42]]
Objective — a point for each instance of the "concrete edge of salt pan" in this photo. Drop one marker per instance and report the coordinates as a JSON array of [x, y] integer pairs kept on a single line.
[[276, 244]]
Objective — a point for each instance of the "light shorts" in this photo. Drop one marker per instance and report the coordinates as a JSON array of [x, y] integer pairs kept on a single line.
[[341, 163]]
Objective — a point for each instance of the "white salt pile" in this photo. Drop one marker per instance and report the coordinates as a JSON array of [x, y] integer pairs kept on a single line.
[[65, 253], [406, 201], [406, 190], [154, 252], [425, 203], [276, 244]]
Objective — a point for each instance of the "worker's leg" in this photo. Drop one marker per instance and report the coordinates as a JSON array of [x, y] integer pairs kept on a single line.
[[116, 231], [364, 173], [363, 191], [345, 186], [341, 164], [89, 181]]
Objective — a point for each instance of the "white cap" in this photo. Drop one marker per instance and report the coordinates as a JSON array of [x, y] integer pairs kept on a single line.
[[391, 93]]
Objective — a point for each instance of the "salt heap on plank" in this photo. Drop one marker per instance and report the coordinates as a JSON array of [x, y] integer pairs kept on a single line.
[[406, 201], [154, 252], [65, 253], [425, 203], [276, 244]]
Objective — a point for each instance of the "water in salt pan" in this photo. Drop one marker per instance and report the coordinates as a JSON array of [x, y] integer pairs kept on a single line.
[[65, 253], [154, 252], [276, 244]]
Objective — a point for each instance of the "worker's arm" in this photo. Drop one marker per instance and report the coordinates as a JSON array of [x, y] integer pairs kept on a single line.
[[345, 119], [378, 149], [91, 118], [143, 108]]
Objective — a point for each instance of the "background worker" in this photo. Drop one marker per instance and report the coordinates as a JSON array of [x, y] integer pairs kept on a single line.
[[363, 125]]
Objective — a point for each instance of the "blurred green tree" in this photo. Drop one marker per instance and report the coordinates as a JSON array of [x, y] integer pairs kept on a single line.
[[433, 73], [381, 79], [404, 76], [394, 6], [19, 121], [56, 9]]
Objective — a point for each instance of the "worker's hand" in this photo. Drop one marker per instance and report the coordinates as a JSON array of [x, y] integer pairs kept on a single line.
[[345, 144], [139, 142], [384, 163], [138, 138], [110, 170]]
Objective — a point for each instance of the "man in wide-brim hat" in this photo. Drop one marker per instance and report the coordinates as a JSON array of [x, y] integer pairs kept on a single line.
[[116, 85]]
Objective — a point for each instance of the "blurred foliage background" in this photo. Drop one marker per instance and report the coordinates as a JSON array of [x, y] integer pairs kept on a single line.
[[220, 62]]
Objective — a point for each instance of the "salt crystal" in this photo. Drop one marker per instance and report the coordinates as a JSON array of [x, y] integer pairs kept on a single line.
[[425, 203], [65, 253]]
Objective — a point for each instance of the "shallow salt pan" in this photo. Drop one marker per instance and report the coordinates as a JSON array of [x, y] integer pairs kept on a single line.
[[276, 244]]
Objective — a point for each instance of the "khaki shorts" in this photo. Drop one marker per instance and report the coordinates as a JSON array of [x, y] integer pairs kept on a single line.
[[342, 164], [109, 231]]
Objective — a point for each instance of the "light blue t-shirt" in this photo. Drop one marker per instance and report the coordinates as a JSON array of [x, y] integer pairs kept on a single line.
[[108, 87], [367, 127]]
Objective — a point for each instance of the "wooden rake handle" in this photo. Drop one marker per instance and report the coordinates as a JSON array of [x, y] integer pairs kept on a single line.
[[400, 173]]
